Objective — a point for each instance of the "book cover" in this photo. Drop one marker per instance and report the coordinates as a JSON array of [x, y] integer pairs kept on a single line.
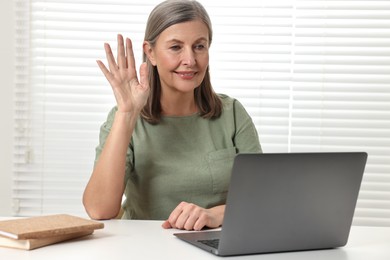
[[29, 244], [46, 226]]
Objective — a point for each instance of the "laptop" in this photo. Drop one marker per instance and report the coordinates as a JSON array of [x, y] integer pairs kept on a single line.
[[286, 202]]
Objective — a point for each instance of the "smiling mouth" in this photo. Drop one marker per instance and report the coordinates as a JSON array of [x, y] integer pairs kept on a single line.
[[186, 75]]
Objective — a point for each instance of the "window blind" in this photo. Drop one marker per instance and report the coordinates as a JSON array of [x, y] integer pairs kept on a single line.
[[314, 76]]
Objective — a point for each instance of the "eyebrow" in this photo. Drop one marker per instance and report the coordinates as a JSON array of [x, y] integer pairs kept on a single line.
[[179, 41]]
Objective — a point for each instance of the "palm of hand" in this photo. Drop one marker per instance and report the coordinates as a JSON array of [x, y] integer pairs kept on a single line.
[[130, 93]]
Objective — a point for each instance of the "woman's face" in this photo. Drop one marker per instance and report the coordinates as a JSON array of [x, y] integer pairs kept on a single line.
[[181, 54]]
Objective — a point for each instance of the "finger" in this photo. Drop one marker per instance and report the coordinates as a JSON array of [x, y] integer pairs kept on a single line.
[[121, 52], [175, 215], [172, 220], [182, 220], [200, 222], [130, 57], [110, 58], [103, 68], [166, 224], [191, 220]]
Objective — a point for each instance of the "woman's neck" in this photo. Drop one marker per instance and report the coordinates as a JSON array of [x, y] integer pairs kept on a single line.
[[180, 104]]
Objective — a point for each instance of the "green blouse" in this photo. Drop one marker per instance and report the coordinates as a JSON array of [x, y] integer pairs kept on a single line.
[[182, 159]]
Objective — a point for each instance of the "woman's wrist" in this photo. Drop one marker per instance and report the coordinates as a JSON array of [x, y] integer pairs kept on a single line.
[[126, 118], [218, 212], [123, 125]]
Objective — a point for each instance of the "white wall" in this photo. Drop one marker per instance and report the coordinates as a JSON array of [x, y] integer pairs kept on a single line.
[[6, 97]]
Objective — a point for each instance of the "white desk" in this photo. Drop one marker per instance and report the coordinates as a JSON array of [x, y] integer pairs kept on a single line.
[[130, 239]]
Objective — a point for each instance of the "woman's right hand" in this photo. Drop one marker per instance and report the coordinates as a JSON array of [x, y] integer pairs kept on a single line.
[[130, 93]]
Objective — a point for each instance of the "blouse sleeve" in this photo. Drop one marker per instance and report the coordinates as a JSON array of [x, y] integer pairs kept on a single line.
[[246, 138]]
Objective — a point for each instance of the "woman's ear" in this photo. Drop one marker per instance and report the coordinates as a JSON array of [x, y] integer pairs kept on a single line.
[[148, 50]]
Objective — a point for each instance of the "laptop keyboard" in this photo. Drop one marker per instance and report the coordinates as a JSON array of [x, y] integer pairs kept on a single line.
[[210, 242]]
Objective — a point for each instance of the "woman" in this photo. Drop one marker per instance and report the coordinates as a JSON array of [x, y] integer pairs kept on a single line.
[[169, 143]]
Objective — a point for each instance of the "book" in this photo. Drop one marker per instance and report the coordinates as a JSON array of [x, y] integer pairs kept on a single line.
[[30, 244], [46, 226]]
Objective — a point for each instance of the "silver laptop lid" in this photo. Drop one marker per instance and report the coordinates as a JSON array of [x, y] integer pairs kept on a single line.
[[292, 201]]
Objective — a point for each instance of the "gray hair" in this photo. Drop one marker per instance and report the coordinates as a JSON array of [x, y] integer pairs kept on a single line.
[[173, 12], [164, 15]]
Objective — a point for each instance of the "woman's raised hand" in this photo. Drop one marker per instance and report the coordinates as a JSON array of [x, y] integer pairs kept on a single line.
[[130, 93]]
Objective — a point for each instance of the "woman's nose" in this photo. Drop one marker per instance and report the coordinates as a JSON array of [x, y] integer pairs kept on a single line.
[[188, 57]]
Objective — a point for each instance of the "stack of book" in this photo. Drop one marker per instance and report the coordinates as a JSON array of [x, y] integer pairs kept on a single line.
[[35, 232]]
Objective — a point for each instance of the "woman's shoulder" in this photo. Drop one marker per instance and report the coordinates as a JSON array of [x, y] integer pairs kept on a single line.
[[230, 103], [226, 100]]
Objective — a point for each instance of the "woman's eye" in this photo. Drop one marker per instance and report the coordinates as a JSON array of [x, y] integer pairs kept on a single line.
[[175, 47], [199, 47]]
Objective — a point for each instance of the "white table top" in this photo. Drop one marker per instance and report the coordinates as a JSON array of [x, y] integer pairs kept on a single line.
[[135, 239]]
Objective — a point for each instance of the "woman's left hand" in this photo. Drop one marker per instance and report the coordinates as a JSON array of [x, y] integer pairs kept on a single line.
[[189, 216]]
